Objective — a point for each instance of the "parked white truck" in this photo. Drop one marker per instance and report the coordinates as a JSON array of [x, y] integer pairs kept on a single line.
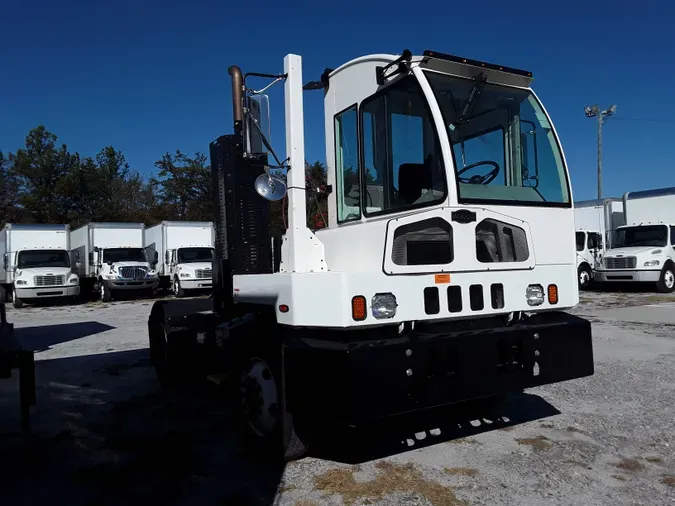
[[644, 249], [113, 258], [36, 263], [594, 222], [184, 250]]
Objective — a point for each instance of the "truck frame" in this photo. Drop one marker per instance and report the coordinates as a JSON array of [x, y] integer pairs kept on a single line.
[[430, 286]]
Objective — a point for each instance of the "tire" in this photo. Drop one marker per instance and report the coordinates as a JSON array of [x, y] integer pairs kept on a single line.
[[276, 437], [16, 301], [666, 283], [106, 293], [177, 290], [584, 277], [3, 295]]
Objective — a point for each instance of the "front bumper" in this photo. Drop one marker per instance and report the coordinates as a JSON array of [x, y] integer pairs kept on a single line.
[[641, 276], [45, 292], [196, 284], [358, 380], [131, 284]]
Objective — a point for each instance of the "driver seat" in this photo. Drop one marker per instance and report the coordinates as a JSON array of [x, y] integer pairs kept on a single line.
[[412, 179]]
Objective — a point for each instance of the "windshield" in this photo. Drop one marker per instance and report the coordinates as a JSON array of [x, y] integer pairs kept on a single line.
[[581, 241], [43, 258], [114, 255], [192, 255], [503, 145], [655, 235]]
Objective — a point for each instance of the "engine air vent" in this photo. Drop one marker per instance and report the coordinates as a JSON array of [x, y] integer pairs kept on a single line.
[[427, 242], [497, 241]]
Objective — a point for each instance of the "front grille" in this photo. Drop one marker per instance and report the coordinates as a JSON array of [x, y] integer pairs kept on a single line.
[[203, 273], [133, 272], [620, 262], [50, 280]]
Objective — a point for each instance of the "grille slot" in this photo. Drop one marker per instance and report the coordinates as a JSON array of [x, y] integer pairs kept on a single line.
[[621, 262], [50, 280], [455, 299], [203, 273], [476, 297], [133, 272], [432, 304]]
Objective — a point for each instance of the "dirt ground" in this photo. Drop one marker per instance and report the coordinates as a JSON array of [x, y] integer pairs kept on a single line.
[[104, 433]]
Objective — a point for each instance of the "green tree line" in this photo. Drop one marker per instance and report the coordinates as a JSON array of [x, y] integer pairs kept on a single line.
[[43, 182]]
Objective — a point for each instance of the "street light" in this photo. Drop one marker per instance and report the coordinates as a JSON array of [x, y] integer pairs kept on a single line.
[[592, 112]]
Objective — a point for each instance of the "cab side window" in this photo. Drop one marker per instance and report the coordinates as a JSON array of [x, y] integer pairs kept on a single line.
[[347, 166], [672, 236]]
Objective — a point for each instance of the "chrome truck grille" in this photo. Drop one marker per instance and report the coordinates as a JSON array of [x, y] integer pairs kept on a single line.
[[133, 272], [203, 273], [50, 280], [620, 262]]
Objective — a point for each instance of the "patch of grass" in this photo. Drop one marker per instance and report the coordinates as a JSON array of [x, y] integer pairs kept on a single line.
[[619, 477], [654, 460], [508, 428], [538, 444], [572, 428], [547, 425], [286, 488], [391, 478], [655, 299], [632, 465], [462, 471], [306, 502], [465, 440]]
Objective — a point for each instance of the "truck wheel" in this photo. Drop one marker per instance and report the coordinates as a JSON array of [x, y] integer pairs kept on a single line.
[[177, 290], [3, 295], [17, 302], [106, 294], [584, 277], [268, 429], [666, 283]]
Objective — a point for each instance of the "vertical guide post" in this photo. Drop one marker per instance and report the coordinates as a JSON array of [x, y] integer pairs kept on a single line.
[[601, 117], [295, 151]]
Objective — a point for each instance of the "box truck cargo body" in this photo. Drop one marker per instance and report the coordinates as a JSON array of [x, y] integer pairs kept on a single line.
[[184, 252], [36, 263], [594, 221], [643, 250], [113, 259]]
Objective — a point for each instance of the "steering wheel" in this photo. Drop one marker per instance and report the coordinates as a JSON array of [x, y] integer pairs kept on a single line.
[[479, 179]]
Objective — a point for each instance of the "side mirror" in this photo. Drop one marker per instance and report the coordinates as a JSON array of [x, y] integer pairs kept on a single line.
[[257, 124], [5, 261]]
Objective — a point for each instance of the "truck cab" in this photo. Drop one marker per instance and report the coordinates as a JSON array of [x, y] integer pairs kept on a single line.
[[641, 253], [123, 268], [190, 268], [589, 255]]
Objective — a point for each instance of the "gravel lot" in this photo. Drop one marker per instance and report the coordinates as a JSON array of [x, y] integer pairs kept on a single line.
[[104, 433]]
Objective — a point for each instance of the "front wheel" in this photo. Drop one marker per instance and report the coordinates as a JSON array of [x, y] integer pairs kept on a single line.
[[17, 302], [584, 276], [3, 295], [177, 290], [106, 294], [666, 283]]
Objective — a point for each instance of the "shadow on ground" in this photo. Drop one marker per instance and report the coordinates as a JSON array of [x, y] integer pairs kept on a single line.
[[413, 432], [43, 337]]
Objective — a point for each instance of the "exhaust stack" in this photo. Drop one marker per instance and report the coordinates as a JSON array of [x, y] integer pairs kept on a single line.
[[237, 95]]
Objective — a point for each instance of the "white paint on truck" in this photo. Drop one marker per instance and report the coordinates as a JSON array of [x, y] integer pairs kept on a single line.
[[644, 249], [36, 263], [184, 252], [113, 258]]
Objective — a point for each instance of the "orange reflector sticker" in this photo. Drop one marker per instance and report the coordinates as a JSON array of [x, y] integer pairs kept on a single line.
[[552, 294], [359, 308], [442, 278]]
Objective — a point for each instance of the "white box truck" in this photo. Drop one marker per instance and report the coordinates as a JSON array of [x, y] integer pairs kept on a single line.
[[643, 249], [594, 221], [184, 250], [36, 263], [113, 258]]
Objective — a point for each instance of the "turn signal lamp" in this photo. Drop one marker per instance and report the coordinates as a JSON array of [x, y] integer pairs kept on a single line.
[[552, 294], [359, 308]]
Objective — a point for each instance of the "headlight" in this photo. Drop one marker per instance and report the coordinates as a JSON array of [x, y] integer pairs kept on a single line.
[[652, 263], [151, 274], [110, 276], [73, 280], [535, 295], [383, 305], [21, 282], [184, 275]]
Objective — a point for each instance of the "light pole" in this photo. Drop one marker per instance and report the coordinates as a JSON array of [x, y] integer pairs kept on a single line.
[[592, 112]]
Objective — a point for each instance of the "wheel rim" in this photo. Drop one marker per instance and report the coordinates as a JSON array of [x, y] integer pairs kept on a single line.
[[259, 397], [175, 286], [669, 279], [102, 291], [584, 277]]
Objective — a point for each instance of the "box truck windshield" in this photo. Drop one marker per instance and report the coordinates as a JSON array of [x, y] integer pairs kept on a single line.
[[650, 235], [42, 258], [114, 255], [191, 255]]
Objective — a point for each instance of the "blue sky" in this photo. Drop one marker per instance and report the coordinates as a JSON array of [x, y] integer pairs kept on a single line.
[[149, 76]]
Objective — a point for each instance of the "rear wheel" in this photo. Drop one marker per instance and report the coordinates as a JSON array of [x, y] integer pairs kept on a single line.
[[666, 283], [584, 276]]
